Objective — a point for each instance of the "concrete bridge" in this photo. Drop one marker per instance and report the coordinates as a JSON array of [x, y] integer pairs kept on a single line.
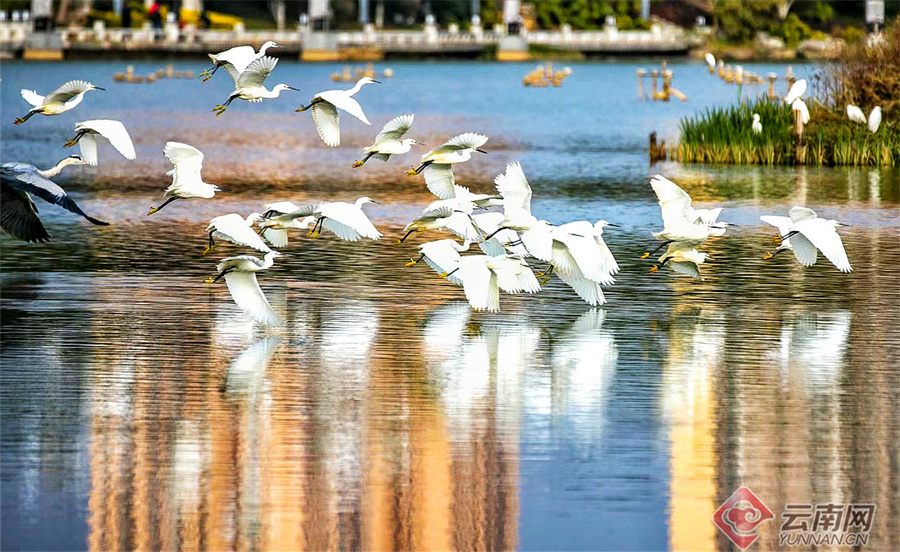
[[312, 40]]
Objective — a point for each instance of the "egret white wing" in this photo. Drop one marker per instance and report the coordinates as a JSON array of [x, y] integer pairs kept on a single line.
[[347, 220], [257, 72], [466, 141], [479, 283], [783, 224], [395, 128], [280, 207], [440, 181], [799, 214], [797, 90], [327, 123], [88, 146], [538, 242], [114, 131], [823, 235], [685, 267], [33, 97], [68, 91], [586, 289], [513, 187], [239, 57], [804, 250], [249, 297], [341, 100]]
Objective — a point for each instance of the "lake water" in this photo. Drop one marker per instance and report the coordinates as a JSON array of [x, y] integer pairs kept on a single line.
[[141, 409]]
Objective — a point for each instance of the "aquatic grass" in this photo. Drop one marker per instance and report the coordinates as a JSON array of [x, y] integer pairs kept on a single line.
[[724, 135]]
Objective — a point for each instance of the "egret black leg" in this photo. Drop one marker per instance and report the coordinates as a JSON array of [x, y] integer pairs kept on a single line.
[[305, 107], [364, 159], [75, 140], [403, 239], [663, 244], [21, 120], [219, 277], [155, 209]]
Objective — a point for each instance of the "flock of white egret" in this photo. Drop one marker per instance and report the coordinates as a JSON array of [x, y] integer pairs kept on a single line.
[[500, 223]]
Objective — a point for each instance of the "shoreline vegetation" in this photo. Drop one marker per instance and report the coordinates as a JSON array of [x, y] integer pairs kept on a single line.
[[865, 74]]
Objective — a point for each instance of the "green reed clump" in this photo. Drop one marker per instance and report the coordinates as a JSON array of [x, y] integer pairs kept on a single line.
[[725, 136]]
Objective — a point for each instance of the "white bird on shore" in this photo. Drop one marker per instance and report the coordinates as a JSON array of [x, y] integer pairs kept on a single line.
[[18, 214], [282, 216], [681, 222], [875, 119], [186, 180], [250, 84], [682, 257], [807, 233], [390, 141], [86, 137], [236, 229], [442, 256], [345, 220], [240, 276], [62, 99], [325, 107], [437, 162], [756, 125], [797, 90], [239, 58], [800, 105], [483, 277], [856, 114], [710, 62]]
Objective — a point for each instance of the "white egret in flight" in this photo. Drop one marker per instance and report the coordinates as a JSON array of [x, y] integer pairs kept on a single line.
[[390, 141], [437, 162], [250, 84], [534, 234], [18, 214], [86, 137], [186, 180], [239, 58], [240, 276], [325, 107], [807, 233], [62, 99], [681, 222], [282, 216], [345, 220], [442, 256], [483, 277], [236, 229]]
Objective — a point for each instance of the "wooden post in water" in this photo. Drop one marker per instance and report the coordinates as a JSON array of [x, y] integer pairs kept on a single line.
[[773, 96], [641, 73]]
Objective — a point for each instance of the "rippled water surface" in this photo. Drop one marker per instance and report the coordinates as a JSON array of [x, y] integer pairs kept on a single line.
[[141, 409]]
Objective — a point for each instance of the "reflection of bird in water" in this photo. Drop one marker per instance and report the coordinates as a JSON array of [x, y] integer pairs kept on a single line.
[[18, 214], [816, 343], [247, 372], [683, 258]]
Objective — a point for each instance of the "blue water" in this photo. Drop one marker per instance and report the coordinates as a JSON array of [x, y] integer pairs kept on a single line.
[[141, 409]]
